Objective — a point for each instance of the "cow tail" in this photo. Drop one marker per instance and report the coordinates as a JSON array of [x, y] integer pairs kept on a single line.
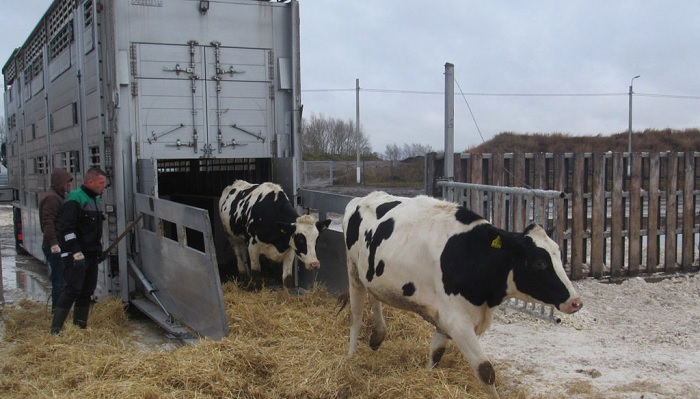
[[343, 300]]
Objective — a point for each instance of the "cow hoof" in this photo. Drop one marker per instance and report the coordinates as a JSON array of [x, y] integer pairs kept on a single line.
[[289, 282], [375, 340], [253, 285]]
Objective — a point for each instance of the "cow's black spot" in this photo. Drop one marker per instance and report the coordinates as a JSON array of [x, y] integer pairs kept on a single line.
[[352, 233], [383, 232], [472, 268], [408, 289], [382, 209], [529, 228], [300, 244], [368, 238], [380, 268], [465, 216]]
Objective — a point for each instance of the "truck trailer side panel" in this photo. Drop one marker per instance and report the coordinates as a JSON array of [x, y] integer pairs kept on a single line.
[[170, 98]]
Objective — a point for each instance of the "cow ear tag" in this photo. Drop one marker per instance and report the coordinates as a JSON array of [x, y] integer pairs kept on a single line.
[[496, 243]]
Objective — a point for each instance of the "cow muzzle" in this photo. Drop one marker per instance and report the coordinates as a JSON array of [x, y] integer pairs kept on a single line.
[[573, 305], [312, 265]]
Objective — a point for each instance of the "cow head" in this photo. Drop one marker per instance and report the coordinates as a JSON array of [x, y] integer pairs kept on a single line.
[[303, 234], [538, 273]]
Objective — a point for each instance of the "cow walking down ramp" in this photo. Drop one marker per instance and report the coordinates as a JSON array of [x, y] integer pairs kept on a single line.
[[260, 220], [450, 266]]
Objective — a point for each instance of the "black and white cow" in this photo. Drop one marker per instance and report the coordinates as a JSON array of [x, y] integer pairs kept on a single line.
[[260, 220], [450, 266]]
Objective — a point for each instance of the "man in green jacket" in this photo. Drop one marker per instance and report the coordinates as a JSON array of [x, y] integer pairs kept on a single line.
[[80, 239]]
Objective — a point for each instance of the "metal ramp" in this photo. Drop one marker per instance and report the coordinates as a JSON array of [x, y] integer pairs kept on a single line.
[[178, 269]]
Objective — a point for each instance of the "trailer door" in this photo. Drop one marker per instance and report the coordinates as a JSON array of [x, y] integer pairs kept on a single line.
[[205, 101], [178, 271]]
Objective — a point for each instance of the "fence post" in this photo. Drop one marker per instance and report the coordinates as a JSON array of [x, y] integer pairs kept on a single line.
[[671, 212], [477, 170], [598, 214], [635, 213], [577, 218], [617, 217], [653, 213], [688, 212], [560, 176]]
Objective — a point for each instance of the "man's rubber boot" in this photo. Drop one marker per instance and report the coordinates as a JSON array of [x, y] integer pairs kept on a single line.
[[59, 316], [80, 316]]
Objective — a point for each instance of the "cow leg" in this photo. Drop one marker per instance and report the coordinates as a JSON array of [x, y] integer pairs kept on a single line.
[[239, 248], [287, 268], [437, 348], [255, 274], [468, 343], [357, 303], [379, 329]]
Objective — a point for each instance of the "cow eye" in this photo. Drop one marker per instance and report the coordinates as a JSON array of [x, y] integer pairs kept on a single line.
[[539, 264]]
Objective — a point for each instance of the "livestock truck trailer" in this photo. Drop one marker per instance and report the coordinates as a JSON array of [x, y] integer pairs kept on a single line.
[[174, 100]]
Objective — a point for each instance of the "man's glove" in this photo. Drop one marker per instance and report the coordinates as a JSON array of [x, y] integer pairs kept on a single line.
[[55, 249], [79, 260]]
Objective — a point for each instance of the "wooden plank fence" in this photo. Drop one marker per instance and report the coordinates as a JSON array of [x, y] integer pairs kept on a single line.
[[621, 216]]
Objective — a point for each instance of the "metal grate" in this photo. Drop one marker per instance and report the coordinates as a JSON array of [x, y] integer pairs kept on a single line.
[[95, 157], [35, 44], [37, 65], [68, 160], [87, 11], [41, 166], [10, 72], [60, 41], [60, 15]]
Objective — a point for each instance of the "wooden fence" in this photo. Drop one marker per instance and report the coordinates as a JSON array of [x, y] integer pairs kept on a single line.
[[620, 215]]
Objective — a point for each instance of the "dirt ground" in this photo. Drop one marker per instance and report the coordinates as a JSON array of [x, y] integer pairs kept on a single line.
[[635, 340]]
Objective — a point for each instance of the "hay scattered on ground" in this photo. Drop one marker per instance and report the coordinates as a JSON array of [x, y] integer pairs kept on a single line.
[[279, 346]]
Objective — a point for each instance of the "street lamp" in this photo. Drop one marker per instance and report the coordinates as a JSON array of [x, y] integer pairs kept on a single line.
[[629, 130]]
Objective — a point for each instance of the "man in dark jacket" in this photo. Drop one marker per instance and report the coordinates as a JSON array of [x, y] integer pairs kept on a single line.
[[80, 238], [50, 206]]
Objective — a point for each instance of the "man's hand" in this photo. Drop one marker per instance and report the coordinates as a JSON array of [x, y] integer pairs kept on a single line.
[[55, 249], [79, 260]]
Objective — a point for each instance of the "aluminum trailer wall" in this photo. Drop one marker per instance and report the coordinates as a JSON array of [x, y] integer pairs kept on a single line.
[[131, 86]]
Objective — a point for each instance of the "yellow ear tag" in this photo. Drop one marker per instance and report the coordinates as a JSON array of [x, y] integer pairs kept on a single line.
[[496, 243]]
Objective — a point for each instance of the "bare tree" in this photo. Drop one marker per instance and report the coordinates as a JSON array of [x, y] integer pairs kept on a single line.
[[322, 136], [395, 153], [392, 153], [416, 150]]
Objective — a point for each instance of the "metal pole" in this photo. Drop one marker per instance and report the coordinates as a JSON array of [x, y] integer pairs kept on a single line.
[[629, 130], [449, 126], [357, 126]]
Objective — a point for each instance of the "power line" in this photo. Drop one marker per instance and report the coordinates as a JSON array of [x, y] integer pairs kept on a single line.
[[470, 110], [668, 96], [483, 94]]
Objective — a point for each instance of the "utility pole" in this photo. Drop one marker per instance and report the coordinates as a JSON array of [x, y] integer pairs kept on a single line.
[[357, 125], [449, 128]]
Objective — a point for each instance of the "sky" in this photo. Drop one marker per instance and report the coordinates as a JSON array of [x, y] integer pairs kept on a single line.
[[543, 66]]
